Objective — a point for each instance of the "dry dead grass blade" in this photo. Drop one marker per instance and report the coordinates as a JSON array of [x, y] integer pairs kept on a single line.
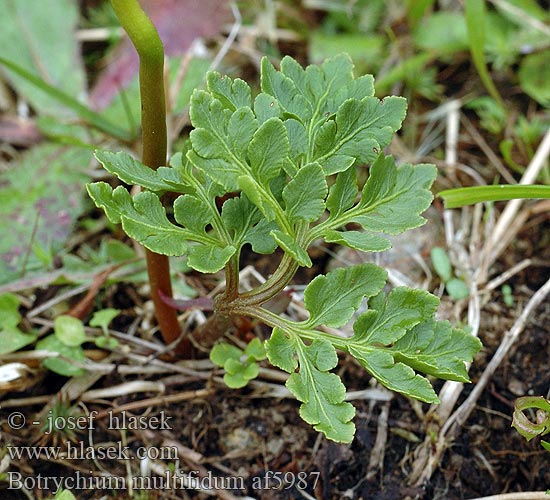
[[125, 389], [516, 225], [505, 276], [86, 304], [376, 459], [159, 400]]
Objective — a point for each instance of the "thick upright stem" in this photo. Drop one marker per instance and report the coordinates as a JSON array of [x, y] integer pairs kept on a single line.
[[149, 47]]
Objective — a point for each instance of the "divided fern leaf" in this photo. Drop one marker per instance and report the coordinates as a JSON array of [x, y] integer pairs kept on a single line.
[[278, 171]]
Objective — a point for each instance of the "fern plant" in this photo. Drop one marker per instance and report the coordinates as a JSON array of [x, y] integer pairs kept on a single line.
[[289, 157]]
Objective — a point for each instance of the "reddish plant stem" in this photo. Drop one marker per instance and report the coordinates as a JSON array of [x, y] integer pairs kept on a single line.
[[158, 270], [149, 47]]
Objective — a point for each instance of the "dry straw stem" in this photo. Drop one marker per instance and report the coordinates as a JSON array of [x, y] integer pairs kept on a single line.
[[426, 458], [376, 459], [125, 389], [451, 390], [158, 401]]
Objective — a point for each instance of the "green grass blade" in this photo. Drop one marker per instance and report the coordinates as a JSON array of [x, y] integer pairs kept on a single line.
[[475, 22], [416, 9], [93, 118], [460, 197]]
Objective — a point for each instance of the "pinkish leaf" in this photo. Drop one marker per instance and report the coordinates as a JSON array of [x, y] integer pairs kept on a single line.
[[179, 23]]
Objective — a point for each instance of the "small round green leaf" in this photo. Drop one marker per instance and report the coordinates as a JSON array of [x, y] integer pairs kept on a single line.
[[507, 295], [106, 342], [250, 371], [102, 318], [255, 349], [9, 310], [69, 330], [235, 380], [239, 374], [457, 289], [233, 366], [59, 365], [222, 352], [442, 264]]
